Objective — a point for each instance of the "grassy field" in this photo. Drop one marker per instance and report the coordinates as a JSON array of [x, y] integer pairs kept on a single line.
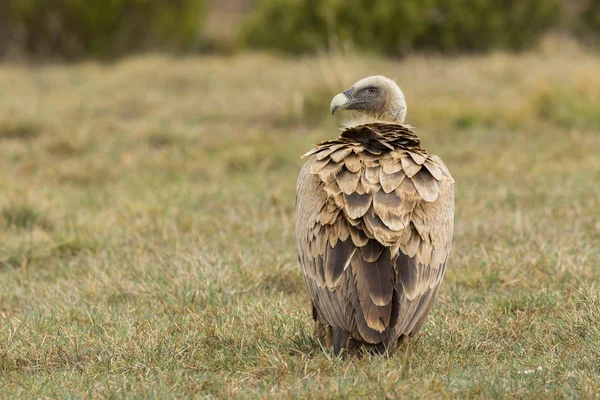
[[147, 228]]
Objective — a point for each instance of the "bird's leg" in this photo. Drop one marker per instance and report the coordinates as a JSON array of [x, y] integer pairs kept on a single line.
[[340, 340], [328, 336]]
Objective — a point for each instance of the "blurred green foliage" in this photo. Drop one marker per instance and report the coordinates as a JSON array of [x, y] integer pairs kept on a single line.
[[296, 25], [480, 25], [394, 27], [104, 28], [589, 28], [299, 26], [109, 28]]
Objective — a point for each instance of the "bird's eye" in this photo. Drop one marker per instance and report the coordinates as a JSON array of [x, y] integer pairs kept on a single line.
[[372, 90]]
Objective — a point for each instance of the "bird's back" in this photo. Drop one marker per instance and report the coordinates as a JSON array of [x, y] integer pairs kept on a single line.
[[374, 229]]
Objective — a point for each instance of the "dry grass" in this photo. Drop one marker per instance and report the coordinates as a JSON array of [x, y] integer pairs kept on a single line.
[[147, 228]]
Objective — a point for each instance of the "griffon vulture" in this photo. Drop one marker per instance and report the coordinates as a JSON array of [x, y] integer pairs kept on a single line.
[[375, 215]]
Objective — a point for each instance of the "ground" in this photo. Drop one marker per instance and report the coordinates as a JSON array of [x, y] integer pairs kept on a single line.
[[147, 227]]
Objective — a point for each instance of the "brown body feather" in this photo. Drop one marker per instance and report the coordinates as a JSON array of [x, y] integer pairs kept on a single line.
[[374, 228]]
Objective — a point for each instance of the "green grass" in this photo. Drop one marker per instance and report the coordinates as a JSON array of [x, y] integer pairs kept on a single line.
[[147, 241]]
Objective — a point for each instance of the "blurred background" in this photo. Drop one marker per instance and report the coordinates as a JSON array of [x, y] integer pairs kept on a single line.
[[69, 29], [149, 152]]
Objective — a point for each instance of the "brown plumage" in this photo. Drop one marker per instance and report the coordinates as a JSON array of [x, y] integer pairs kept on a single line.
[[374, 224]]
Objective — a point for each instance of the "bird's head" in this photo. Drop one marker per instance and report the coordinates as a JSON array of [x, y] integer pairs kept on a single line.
[[376, 96]]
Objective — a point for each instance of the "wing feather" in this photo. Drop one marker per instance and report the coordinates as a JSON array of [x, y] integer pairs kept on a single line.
[[374, 282], [337, 259], [389, 182], [357, 204], [426, 185]]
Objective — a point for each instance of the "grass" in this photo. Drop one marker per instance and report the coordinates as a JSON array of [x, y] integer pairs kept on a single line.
[[147, 228]]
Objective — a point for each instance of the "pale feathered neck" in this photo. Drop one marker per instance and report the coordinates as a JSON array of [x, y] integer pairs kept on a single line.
[[363, 119]]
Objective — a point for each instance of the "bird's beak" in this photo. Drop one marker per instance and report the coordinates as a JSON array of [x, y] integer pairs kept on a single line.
[[342, 101]]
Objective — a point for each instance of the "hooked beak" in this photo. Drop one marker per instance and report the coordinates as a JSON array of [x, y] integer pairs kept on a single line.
[[342, 101]]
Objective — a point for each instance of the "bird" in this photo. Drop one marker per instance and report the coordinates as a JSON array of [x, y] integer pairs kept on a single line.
[[374, 224]]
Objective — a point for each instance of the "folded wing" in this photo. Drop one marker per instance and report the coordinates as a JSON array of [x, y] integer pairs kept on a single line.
[[375, 218]]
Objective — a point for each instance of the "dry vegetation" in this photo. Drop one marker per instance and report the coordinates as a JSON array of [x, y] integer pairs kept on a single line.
[[147, 228]]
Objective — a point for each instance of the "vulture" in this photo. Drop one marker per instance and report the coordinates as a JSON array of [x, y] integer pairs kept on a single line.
[[375, 216]]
